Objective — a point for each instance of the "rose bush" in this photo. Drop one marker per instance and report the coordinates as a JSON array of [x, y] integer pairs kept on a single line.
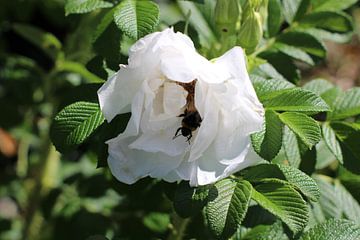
[[150, 86]]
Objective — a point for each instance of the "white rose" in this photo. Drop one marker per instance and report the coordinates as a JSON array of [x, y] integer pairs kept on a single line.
[[152, 86]]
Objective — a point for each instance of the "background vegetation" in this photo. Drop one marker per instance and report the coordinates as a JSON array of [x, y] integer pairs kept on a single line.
[[54, 55]]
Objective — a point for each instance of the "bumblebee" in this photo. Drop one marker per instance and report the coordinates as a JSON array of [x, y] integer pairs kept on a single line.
[[191, 117], [190, 123]]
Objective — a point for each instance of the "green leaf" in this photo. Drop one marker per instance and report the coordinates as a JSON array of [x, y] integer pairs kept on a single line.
[[43, 40], [347, 104], [306, 128], [85, 6], [107, 45], [105, 132], [201, 18], [316, 214], [318, 86], [297, 153], [267, 143], [283, 64], [308, 158], [333, 229], [266, 87], [274, 17], [104, 23], [349, 205], [137, 18], [228, 209], [324, 157], [266, 232], [188, 201], [348, 135], [328, 197], [266, 70], [294, 52], [279, 198], [296, 99], [196, 1], [291, 148], [333, 21], [326, 35], [331, 141], [350, 181], [299, 180], [253, 64], [330, 96], [74, 124], [74, 67], [336, 201], [157, 222], [291, 8], [331, 5], [304, 41]]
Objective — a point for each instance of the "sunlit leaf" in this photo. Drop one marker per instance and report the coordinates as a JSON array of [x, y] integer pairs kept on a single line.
[[74, 124], [279, 198], [137, 18], [228, 209], [333, 229]]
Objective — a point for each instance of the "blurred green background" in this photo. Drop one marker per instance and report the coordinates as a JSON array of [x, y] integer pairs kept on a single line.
[[44, 56]]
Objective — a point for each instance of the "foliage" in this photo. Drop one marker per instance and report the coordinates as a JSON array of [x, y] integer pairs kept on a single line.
[[307, 187]]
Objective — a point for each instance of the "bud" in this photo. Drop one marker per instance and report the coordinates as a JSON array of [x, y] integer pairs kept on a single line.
[[252, 5], [227, 14], [251, 31], [263, 10]]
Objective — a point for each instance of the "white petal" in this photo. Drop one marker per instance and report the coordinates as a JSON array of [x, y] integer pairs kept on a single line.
[[234, 132], [117, 93], [209, 170], [211, 73], [209, 125], [162, 110], [175, 66], [141, 54], [129, 165], [161, 141], [132, 128], [186, 169], [172, 177], [206, 169], [178, 40], [250, 159], [234, 62], [174, 98]]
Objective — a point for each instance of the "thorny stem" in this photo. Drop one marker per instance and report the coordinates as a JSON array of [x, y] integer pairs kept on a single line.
[[47, 167], [45, 178], [178, 227]]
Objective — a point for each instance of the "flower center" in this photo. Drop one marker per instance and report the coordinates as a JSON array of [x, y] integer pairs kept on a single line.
[[191, 117]]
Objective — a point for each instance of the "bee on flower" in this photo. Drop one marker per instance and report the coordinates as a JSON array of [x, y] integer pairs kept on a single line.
[[191, 118]]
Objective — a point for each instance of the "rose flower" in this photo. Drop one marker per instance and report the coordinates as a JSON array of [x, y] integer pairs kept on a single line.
[[191, 119]]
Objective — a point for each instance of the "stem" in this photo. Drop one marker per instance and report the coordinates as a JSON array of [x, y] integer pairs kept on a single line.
[[45, 177], [263, 48], [23, 161], [187, 17], [44, 182], [178, 227]]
